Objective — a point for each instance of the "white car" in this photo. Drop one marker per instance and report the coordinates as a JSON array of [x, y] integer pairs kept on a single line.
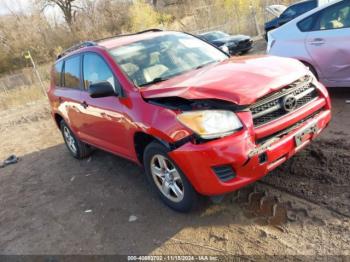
[[320, 39]]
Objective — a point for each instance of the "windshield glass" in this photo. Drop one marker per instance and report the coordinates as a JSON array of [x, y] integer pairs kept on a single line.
[[215, 35], [160, 58]]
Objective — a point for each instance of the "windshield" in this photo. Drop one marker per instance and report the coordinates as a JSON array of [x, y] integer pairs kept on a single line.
[[163, 57], [215, 35]]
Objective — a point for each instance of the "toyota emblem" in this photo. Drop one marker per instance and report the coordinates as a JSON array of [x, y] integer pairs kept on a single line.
[[289, 103]]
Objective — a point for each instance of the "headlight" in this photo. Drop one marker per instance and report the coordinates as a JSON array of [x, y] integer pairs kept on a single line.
[[210, 124], [225, 49]]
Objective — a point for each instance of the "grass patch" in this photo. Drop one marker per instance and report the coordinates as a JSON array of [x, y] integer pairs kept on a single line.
[[20, 96]]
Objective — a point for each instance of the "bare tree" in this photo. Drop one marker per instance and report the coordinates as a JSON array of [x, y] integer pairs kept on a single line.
[[67, 7]]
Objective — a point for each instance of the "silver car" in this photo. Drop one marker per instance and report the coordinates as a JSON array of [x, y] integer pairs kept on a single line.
[[320, 39]]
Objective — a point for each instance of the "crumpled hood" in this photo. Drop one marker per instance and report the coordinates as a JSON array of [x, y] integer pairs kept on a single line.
[[238, 80]]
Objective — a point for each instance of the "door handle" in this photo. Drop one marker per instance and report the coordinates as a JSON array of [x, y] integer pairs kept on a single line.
[[84, 104], [317, 41]]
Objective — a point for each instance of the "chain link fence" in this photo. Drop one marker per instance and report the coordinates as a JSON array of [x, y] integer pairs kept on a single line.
[[249, 20]]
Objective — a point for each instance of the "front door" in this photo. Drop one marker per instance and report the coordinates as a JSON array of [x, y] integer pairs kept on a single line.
[[105, 124]]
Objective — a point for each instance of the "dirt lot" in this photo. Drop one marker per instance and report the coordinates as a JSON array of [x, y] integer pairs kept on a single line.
[[54, 204]]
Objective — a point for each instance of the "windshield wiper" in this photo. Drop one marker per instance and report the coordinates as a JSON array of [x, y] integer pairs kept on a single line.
[[162, 79], [155, 80], [206, 64]]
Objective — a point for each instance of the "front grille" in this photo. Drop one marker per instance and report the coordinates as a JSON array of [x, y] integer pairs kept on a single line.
[[281, 103], [224, 173], [289, 129]]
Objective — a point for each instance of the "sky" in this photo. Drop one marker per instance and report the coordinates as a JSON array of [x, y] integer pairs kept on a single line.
[[6, 6], [9, 6]]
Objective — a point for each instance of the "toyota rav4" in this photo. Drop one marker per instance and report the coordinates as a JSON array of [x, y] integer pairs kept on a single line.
[[198, 121]]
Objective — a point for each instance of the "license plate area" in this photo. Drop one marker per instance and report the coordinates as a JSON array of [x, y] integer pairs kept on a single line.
[[306, 133]]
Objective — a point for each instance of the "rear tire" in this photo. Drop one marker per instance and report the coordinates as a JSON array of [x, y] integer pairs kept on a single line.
[[167, 180], [77, 148]]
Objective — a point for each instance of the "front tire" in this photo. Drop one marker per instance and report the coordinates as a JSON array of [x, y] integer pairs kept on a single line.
[[77, 148], [167, 180]]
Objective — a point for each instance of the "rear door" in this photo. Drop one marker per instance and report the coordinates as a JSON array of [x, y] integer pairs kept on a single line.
[[328, 43], [69, 91]]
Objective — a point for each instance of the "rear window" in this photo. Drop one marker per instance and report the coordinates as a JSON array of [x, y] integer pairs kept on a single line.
[[306, 7], [58, 73], [299, 9], [72, 72]]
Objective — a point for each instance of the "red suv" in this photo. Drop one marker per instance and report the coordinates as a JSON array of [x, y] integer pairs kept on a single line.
[[196, 119]]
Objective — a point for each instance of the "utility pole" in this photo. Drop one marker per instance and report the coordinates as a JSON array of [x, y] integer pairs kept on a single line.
[[29, 57], [255, 18]]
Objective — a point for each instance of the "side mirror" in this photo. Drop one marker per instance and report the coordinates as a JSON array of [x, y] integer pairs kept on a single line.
[[101, 89]]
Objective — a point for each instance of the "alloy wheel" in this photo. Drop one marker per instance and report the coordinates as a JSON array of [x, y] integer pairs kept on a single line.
[[70, 140], [167, 178]]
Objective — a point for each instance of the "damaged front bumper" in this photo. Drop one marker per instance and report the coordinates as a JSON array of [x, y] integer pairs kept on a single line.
[[227, 164]]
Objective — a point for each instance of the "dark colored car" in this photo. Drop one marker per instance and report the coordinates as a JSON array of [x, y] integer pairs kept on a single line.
[[197, 120], [289, 14], [237, 44]]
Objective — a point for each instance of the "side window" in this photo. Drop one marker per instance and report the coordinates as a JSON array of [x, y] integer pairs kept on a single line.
[[296, 10], [335, 17], [58, 73], [72, 72], [95, 70], [303, 8], [308, 24], [289, 13]]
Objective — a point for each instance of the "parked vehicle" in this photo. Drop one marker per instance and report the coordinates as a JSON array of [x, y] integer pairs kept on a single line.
[[197, 120], [237, 44], [321, 40], [285, 14]]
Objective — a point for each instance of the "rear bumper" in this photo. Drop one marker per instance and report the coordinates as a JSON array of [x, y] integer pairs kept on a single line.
[[197, 161]]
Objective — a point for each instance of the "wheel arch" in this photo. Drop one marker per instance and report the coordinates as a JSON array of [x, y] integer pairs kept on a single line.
[[58, 118], [142, 140]]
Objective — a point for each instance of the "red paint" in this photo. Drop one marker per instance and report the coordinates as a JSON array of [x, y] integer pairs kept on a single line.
[[111, 123], [238, 80]]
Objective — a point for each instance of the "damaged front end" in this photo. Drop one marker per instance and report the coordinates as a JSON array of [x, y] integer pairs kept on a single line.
[[208, 119], [266, 133], [179, 103]]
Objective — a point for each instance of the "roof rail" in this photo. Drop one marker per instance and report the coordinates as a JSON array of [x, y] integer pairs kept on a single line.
[[94, 43], [149, 30], [76, 47], [137, 33]]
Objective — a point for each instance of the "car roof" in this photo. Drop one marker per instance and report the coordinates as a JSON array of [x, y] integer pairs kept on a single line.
[[113, 42], [212, 32], [118, 41]]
